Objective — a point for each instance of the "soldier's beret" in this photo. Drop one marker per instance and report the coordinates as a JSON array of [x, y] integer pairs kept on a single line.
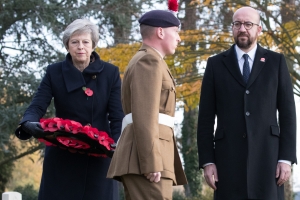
[[159, 18]]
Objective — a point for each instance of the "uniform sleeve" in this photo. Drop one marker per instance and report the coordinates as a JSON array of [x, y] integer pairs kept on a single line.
[[206, 118], [287, 115], [146, 90]]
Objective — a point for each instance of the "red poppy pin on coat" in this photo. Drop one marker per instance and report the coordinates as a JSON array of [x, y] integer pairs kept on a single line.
[[262, 60], [88, 91]]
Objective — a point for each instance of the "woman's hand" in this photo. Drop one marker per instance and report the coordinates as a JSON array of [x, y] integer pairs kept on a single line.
[[33, 128]]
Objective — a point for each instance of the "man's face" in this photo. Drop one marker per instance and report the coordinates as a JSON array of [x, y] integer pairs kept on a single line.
[[246, 39]]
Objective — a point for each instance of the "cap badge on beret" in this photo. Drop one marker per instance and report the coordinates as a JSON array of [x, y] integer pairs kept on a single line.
[[162, 18]]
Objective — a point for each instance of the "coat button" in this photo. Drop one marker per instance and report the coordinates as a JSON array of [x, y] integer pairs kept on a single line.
[[247, 114], [247, 92], [94, 77], [244, 135]]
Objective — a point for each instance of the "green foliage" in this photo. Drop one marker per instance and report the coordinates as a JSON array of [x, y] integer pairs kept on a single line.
[[121, 191], [27, 191], [190, 153], [207, 194], [177, 195], [14, 97], [5, 173], [288, 191]]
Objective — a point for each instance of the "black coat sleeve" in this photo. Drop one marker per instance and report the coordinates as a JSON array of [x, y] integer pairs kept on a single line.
[[115, 111], [287, 114], [38, 105], [206, 118]]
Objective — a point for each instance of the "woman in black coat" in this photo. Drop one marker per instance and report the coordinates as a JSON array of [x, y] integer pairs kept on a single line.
[[67, 175]]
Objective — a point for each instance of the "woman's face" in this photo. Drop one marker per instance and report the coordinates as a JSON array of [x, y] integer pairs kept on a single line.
[[80, 47]]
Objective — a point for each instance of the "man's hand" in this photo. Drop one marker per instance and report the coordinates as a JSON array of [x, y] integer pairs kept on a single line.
[[283, 173], [211, 175], [153, 177]]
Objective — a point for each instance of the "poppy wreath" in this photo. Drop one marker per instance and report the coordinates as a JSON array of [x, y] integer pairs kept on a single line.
[[75, 137]]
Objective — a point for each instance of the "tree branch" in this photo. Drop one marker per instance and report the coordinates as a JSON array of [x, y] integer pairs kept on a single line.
[[14, 158]]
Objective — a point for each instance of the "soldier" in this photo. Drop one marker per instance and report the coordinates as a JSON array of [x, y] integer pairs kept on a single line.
[[146, 159]]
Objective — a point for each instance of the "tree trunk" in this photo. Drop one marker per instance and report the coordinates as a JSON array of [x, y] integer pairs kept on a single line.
[[189, 124], [190, 155]]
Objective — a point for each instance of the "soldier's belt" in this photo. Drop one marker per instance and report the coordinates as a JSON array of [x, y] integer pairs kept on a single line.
[[163, 119]]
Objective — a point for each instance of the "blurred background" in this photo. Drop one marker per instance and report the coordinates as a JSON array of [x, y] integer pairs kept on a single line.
[[31, 38]]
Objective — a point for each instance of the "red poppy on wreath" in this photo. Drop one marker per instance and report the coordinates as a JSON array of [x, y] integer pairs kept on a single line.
[[88, 91], [76, 137]]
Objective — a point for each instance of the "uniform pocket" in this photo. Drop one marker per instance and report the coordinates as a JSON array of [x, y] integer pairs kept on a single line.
[[166, 147], [168, 96], [165, 133]]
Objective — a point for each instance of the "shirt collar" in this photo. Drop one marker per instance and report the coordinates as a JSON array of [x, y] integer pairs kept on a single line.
[[240, 53]]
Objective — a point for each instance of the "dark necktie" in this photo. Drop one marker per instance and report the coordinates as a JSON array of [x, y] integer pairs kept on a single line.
[[246, 68]]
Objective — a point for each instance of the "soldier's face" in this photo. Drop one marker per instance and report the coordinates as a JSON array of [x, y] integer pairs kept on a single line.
[[171, 40]]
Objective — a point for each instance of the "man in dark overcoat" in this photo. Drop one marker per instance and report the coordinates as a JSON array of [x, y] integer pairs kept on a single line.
[[250, 154]]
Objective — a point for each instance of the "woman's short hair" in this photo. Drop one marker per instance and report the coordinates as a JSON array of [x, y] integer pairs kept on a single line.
[[81, 26]]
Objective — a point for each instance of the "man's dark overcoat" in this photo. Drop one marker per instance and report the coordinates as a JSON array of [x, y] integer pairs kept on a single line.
[[72, 175], [250, 138]]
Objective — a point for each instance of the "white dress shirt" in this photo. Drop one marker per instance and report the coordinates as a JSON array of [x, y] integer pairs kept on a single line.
[[241, 59]]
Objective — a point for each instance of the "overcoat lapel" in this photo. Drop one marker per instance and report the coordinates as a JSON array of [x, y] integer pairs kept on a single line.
[[73, 77], [230, 61], [259, 62]]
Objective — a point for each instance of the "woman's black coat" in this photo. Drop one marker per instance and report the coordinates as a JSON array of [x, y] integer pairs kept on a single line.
[[72, 175]]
